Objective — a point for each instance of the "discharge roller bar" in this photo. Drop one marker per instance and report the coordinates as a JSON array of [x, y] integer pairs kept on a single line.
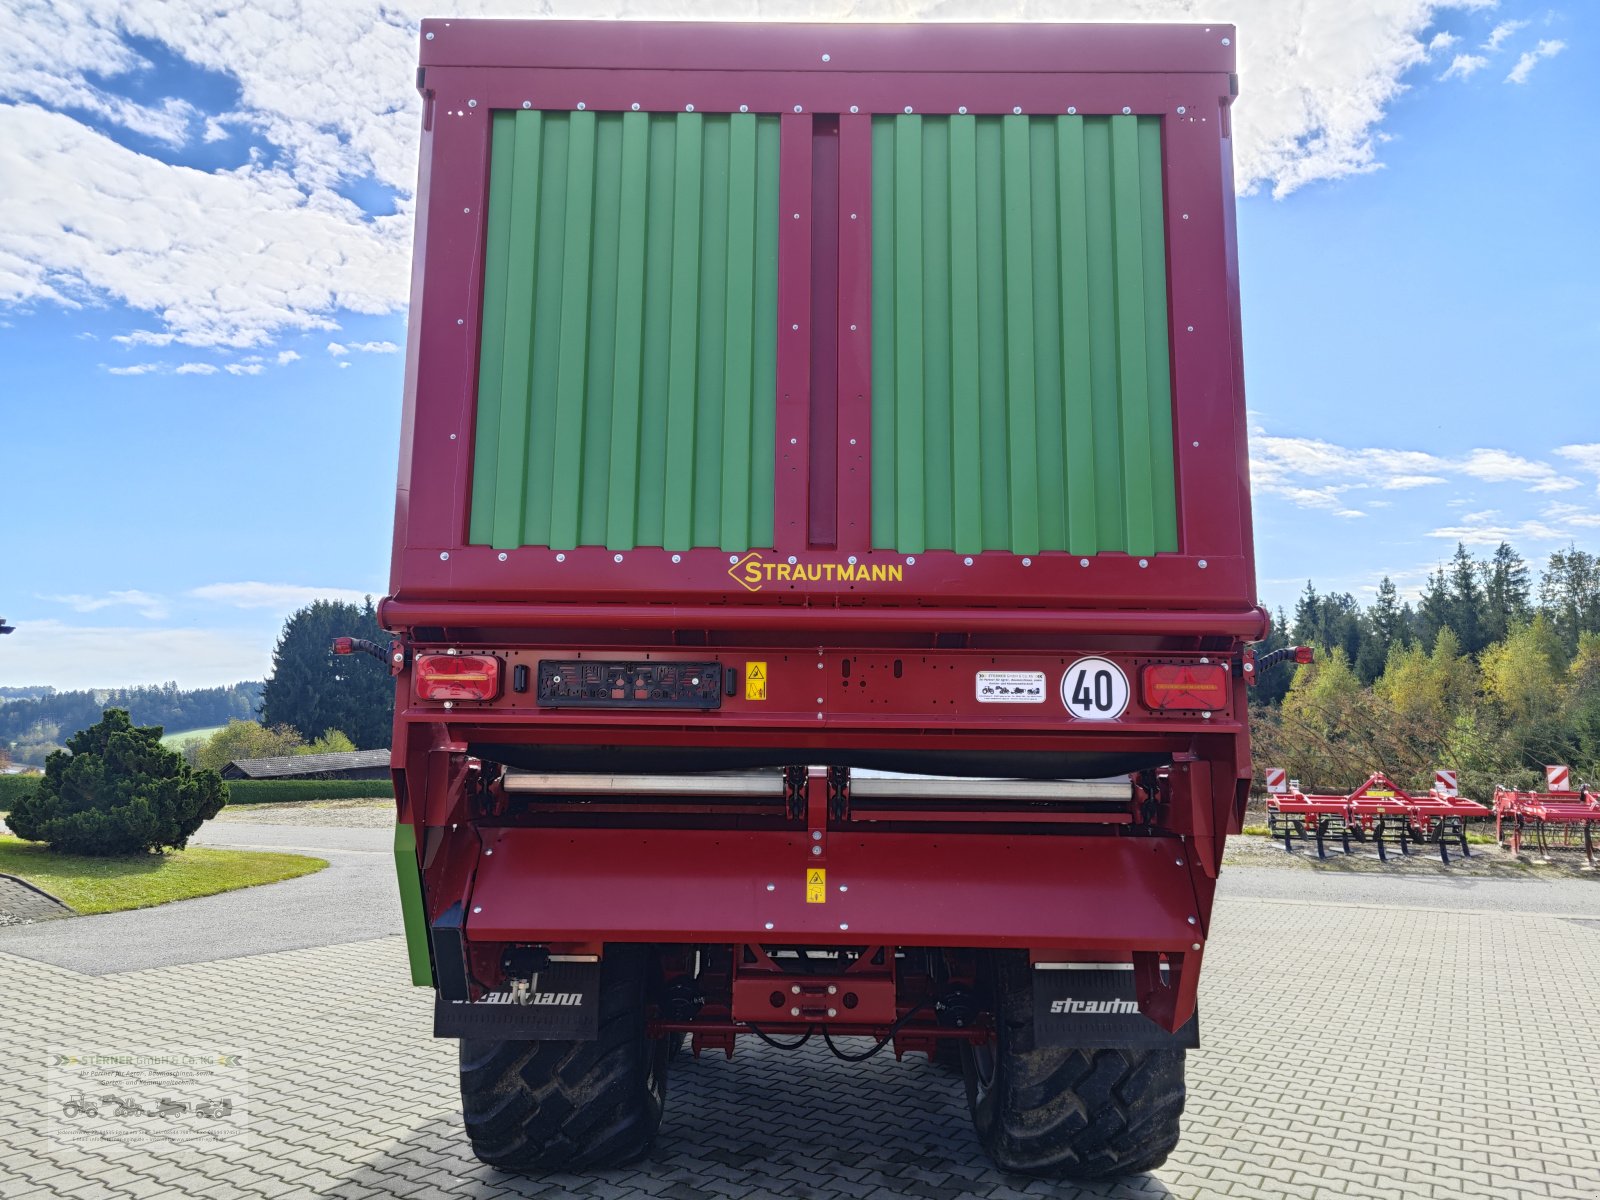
[[1096, 791]]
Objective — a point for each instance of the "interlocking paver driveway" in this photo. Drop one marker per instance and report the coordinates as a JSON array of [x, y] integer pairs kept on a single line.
[[1349, 1051]]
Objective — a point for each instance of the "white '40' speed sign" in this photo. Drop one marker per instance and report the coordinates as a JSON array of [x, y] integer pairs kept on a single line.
[[1095, 689]]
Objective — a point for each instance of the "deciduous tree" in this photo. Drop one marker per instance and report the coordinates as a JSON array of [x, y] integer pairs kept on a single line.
[[247, 739]]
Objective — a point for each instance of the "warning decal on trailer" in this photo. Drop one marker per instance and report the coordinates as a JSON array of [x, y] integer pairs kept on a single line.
[[817, 885], [1011, 687], [755, 681]]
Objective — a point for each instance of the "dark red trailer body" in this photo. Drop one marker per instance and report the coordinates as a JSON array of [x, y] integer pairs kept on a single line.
[[952, 481]]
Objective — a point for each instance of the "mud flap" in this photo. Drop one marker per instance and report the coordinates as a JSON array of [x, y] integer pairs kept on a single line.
[[1093, 1006], [560, 1003]]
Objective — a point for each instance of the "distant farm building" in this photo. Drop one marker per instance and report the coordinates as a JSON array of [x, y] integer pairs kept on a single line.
[[352, 764]]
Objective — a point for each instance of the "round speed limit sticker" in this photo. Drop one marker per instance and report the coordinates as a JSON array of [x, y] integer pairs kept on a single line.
[[1095, 689]]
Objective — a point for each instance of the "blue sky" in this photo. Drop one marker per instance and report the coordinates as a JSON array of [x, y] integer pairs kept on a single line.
[[204, 238]]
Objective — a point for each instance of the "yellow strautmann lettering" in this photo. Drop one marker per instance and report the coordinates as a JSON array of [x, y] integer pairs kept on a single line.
[[752, 572]]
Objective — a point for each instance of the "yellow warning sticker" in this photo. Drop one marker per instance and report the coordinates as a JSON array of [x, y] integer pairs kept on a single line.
[[817, 885], [1375, 794], [755, 681]]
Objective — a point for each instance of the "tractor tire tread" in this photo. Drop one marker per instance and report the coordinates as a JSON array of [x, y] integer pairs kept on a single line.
[[1073, 1113], [570, 1105]]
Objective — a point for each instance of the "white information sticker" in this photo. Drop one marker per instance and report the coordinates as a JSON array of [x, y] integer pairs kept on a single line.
[[1095, 689], [1011, 687]]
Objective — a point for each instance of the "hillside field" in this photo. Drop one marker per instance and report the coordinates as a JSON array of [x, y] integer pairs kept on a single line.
[[174, 740]]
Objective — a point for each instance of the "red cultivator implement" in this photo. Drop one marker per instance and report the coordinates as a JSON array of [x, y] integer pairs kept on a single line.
[[1378, 811], [1561, 818]]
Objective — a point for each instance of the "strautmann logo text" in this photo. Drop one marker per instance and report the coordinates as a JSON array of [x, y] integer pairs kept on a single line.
[[752, 572]]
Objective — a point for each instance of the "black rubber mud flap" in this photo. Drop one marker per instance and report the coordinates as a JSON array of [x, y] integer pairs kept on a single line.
[[561, 1003], [1088, 1007], [446, 938]]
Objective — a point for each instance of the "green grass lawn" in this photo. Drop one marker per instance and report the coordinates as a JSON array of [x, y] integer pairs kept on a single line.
[[99, 885], [173, 740]]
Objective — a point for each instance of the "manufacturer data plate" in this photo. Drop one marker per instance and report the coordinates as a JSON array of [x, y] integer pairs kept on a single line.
[[1011, 687]]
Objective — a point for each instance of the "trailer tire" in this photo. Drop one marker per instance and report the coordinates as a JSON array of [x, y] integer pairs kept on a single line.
[[568, 1105], [1061, 1112]]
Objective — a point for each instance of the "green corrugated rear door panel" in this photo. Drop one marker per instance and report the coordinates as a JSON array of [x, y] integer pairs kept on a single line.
[[628, 370], [1021, 390]]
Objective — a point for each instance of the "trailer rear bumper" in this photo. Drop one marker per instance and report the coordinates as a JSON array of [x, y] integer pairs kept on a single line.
[[689, 886]]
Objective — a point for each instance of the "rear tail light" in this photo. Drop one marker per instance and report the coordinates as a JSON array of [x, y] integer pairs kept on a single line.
[[1188, 686], [457, 676]]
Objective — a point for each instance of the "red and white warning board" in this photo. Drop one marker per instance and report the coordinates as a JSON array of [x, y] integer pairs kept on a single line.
[[1558, 779], [1444, 782], [1277, 780]]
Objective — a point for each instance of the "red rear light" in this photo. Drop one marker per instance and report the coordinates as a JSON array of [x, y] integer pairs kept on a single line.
[[344, 645], [457, 676], [1304, 654], [1197, 685]]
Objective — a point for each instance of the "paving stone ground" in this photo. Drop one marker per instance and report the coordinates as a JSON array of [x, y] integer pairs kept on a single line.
[[1348, 1052], [22, 903]]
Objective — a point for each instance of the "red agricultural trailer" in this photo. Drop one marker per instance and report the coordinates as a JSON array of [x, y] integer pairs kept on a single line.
[[1561, 817], [1378, 810], [823, 577]]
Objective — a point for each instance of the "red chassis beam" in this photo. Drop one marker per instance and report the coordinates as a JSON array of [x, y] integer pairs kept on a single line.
[[906, 889], [1245, 624]]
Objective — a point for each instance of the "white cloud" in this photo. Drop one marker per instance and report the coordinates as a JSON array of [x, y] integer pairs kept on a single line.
[[144, 337], [1500, 466], [248, 368], [147, 605], [1585, 457], [282, 596], [196, 368], [1572, 515], [1532, 58], [285, 357], [338, 349], [69, 656], [375, 347], [225, 259], [1491, 530], [1558, 522], [235, 257], [53, 55], [1312, 473], [135, 369], [1501, 32], [1464, 66]]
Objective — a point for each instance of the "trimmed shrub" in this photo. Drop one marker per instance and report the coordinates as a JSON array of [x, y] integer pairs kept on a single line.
[[15, 787], [281, 791], [117, 790]]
